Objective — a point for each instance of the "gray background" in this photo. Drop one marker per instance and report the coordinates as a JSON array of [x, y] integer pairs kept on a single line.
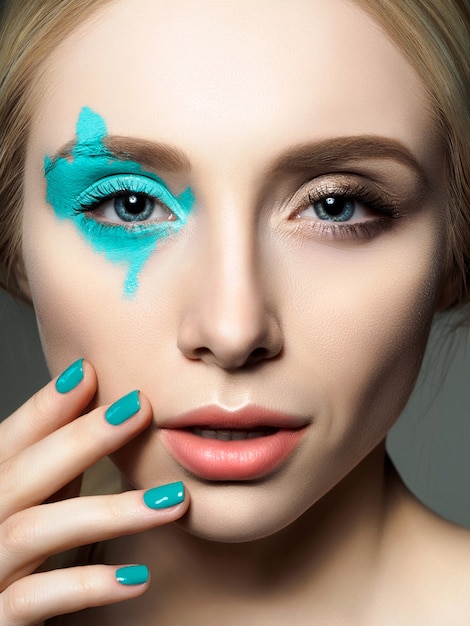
[[428, 444]]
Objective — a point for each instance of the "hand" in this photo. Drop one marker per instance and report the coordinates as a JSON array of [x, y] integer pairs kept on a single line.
[[44, 448]]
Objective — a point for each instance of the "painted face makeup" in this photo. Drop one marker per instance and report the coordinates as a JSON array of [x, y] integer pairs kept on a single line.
[[145, 212], [276, 296]]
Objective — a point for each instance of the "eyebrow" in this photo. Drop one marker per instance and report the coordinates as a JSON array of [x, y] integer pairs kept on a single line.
[[323, 155], [342, 151], [154, 155]]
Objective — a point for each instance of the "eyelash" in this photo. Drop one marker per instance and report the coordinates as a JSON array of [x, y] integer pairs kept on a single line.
[[104, 191], [387, 208]]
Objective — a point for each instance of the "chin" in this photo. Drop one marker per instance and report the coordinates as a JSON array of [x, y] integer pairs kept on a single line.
[[236, 513], [227, 530]]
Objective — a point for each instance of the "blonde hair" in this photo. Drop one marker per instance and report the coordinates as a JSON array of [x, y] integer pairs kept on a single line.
[[29, 32], [435, 37], [433, 34]]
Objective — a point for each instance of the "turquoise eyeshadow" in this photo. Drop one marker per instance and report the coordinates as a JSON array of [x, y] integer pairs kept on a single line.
[[71, 180]]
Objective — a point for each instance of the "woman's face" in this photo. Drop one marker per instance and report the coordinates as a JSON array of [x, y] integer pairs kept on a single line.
[[287, 273]]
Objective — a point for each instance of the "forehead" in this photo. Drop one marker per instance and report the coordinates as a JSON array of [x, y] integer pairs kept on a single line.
[[196, 73]]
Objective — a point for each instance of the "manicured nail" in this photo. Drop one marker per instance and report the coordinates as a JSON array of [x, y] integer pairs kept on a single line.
[[132, 575], [164, 496], [69, 379], [123, 409]]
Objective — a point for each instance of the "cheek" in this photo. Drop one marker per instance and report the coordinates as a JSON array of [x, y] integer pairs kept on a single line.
[[77, 293], [68, 297], [82, 311], [364, 322]]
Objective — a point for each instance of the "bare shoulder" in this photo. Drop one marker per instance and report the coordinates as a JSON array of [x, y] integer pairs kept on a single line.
[[429, 558]]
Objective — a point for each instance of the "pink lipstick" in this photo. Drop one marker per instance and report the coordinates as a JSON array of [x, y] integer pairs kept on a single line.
[[215, 444]]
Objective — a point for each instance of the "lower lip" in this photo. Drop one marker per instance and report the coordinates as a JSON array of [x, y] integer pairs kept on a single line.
[[246, 459]]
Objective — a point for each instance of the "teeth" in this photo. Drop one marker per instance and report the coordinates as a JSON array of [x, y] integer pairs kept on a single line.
[[237, 435], [230, 435], [208, 434]]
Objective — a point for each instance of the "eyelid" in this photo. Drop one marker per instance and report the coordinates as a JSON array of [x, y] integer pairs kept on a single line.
[[109, 186], [384, 208], [342, 185]]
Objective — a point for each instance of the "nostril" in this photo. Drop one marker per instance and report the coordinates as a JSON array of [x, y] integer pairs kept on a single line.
[[199, 354], [259, 354], [231, 337], [231, 361]]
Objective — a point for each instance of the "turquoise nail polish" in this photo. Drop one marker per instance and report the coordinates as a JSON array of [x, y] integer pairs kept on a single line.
[[132, 575], [164, 496], [123, 409], [70, 378]]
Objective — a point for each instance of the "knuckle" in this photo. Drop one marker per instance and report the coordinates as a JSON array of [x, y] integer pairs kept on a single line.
[[91, 430], [16, 606], [115, 511], [8, 482], [18, 533], [85, 584], [5, 439], [91, 433], [42, 403], [87, 435]]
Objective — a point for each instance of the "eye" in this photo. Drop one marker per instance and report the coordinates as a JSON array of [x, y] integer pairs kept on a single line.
[[334, 208], [133, 207], [129, 199], [343, 208]]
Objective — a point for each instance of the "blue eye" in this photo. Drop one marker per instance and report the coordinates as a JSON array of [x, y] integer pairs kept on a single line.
[[134, 207], [127, 199], [335, 208]]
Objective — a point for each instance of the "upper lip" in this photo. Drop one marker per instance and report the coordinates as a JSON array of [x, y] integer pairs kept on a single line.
[[246, 418]]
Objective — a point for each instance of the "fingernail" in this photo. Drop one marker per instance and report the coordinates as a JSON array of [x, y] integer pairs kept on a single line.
[[132, 575], [164, 496], [123, 409], [70, 378]]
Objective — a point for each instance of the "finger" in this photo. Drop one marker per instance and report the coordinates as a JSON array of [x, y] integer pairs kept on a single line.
[[48, 409], [46, 466], [29, 537], [70, 490], [41, 596]]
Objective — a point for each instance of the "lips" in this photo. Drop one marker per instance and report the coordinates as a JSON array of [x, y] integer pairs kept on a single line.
[[246, 444]]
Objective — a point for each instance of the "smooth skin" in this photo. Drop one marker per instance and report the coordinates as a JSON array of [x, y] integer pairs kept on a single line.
[[250, 303]]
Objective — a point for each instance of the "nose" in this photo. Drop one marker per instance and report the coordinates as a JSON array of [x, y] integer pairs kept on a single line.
[[228, 320]]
